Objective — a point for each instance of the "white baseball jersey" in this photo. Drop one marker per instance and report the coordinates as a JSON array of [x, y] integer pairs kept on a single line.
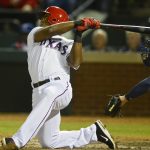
[[48, 57]]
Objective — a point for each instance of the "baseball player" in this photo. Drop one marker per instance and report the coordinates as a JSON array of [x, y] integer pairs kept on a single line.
[[50, 57], [117, 102]]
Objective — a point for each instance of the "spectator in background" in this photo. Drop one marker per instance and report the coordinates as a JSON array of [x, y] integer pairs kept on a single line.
[[24, 5], [67, 5], [21, 43], [99, 41], [133, 42]]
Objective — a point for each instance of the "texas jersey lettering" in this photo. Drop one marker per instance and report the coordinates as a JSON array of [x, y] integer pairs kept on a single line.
[[55, 43]]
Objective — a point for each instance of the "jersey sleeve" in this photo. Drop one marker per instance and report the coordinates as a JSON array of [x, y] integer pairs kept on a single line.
[[70, 44], [30, 38]]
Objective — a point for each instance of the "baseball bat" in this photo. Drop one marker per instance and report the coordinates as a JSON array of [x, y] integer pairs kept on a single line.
[[139, 29]]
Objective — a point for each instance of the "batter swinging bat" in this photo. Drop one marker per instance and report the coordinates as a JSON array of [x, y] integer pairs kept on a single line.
[[139, 29]]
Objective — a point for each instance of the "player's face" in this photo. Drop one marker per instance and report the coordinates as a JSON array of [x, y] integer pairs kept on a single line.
[[44, 20]]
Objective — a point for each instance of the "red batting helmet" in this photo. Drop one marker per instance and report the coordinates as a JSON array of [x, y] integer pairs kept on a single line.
[[57, 15]]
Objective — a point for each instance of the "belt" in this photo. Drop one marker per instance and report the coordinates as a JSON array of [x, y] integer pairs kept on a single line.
[[40, 83]]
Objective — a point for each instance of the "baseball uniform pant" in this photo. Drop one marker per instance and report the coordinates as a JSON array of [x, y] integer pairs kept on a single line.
[[44, 120]]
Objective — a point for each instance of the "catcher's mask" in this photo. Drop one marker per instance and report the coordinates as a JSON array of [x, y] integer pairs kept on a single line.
[[56, 15]]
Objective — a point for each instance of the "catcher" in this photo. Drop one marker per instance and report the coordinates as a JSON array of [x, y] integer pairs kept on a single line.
[[118, 101]]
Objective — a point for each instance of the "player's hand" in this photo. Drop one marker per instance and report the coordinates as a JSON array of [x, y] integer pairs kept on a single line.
[[88, 23]]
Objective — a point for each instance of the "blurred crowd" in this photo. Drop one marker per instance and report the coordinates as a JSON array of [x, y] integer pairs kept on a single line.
[[17, 21], [107, 6], [100, 42]]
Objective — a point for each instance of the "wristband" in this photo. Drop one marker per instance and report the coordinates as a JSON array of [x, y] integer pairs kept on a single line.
[[78, 37], [78, 23]]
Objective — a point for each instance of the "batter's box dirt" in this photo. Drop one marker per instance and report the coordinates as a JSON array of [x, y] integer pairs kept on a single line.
[[139, 145]]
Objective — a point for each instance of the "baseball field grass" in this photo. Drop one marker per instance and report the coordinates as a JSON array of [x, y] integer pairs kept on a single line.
[[128, 132]]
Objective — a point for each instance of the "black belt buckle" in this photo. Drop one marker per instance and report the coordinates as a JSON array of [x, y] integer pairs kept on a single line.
[[57, 78], [35, 85]]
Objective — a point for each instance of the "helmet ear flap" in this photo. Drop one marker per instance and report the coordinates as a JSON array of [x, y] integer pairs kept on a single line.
[[52, 20]]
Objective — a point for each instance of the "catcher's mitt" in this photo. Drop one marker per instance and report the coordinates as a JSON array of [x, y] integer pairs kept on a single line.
[[113, 107]]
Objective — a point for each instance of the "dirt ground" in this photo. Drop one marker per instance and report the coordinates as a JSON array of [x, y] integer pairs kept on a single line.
[[122, 145]]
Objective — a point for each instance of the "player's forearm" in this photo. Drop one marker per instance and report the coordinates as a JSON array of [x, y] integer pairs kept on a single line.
[[55, 29], [76, 55], [139, 89]]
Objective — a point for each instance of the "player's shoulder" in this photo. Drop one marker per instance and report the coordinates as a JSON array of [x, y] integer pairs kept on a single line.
[[35, 29], [30, 36]]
